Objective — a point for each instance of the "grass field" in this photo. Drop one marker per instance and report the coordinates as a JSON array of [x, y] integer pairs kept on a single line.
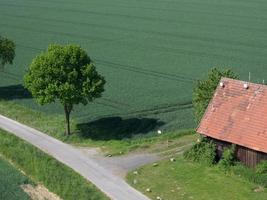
[[183, 180], [150, 52], [10, 182]]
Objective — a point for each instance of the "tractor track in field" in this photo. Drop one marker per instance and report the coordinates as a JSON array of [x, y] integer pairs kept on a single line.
[[10, 75], [145, 8], [132, 68], [74, 35], [93, 12], [158, 33], [113, 27], [119, 105], [145, 71], [180, 51], [147, 112]]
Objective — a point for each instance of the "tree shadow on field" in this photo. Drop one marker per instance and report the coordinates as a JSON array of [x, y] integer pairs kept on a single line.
[[116, 128], [14, 92]]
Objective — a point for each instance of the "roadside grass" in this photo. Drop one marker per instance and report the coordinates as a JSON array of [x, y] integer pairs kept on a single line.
[[54, 125], [40, 167], [50, 124], [187, 180], [152, 143], [10, 182]]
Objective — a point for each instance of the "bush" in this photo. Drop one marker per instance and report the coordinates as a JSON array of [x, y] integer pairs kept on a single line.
[[250, 174], [228, 158], [203, 152], [262, 167], [41, 167]]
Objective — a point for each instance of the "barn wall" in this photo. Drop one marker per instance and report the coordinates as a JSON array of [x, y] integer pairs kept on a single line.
[[247, 156], [250, 157]]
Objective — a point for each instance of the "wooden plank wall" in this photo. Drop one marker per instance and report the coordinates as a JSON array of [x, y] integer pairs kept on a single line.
[[247, 156], [250, 157]]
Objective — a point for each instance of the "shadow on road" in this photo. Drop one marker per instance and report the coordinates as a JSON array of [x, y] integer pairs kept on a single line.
[[14, 92], [116, 128]]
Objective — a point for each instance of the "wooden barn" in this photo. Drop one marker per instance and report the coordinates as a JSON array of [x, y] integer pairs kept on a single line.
[[237, 114]]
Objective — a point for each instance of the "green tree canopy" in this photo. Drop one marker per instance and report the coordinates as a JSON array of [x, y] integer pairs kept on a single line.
[[205, 88], [7, 51], [64, 73]]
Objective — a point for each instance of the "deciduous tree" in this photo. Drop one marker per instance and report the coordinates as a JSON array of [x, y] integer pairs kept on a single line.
[[7, 51], [205, 88], [64, 73]]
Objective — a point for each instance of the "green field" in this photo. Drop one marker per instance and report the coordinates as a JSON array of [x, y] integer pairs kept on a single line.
[[10, 182], [150, 51]]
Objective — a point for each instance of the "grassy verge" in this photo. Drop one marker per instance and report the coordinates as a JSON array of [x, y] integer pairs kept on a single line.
[[54, 125], [186, 180], [249, 174], [41, 167], [10, 182]]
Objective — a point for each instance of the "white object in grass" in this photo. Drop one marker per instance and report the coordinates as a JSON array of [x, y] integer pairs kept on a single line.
[[159, 198], [172, 159], [135, 172], [148, 190], [155, 164], [159, 132]]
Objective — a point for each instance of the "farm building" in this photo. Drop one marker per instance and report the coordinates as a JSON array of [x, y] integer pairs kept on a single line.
[[237, 114]]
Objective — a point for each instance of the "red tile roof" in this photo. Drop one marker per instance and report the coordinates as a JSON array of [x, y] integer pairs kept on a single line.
[[237, 115]]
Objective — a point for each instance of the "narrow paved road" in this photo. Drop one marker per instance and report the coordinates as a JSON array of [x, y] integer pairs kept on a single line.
[[120, 165], [113, 186]]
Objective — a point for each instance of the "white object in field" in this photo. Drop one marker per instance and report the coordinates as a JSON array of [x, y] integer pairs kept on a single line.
[[134, 181], [172, 159], [246, 86], [135, 172], [222, 84], [159, 132], [198, 140], [155, 164], [148, 190], [159, 198]]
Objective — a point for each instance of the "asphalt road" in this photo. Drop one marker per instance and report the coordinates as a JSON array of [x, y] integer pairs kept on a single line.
[[120, 165], [113, 186]]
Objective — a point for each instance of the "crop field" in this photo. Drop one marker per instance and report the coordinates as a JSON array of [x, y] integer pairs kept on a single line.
[[10, 182], [150, 51]]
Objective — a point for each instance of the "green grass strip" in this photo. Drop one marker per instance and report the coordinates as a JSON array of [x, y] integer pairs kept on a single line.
[[41, 167], [54, 125]]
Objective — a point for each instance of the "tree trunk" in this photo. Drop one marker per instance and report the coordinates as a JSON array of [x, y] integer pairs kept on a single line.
[[67, 115]]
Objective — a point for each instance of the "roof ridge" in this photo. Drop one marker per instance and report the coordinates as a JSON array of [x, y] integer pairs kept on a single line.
[[242, 81]]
